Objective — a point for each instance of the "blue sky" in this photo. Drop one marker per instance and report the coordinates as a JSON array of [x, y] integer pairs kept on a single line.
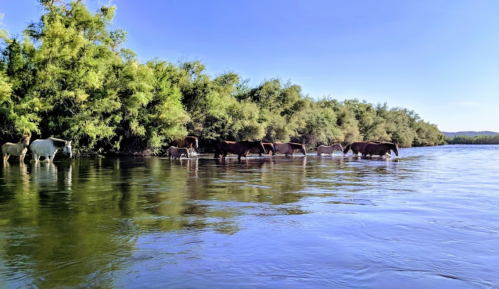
[[439, 58]]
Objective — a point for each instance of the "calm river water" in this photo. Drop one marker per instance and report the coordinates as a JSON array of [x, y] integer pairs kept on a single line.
[[427, 219]]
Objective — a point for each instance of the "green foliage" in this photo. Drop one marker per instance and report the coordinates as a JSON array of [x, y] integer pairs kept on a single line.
[[70, 77], [320, 124], [280, 108], [19, 105], [74, 61], [371, 124], [164, 116], [479, 139]]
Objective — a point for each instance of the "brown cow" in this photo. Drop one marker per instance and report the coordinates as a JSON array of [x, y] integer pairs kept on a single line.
[[289, 148], [328, 149], [359, 146], [176, 152], [189, 142], [380, 149], [240, 148], [269, 149]]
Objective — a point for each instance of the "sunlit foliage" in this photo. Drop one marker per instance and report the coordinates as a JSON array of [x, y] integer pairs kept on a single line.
[[70, 76]]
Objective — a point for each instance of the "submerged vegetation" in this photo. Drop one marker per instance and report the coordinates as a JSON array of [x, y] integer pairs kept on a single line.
[[69, 76]]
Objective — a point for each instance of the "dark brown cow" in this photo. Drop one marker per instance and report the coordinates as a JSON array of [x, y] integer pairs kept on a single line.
[[359, 146], [380, 149], [356, 147], [240, 148]]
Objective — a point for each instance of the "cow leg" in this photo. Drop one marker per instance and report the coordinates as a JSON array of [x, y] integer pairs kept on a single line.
[[52, 156]]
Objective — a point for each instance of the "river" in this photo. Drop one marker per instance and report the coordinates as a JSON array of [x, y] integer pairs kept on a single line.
[[426, 219]]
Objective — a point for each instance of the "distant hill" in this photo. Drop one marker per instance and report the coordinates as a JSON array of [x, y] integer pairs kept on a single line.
[[469, 133]]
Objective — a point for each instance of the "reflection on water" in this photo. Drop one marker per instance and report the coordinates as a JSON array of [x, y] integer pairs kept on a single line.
[[17, 175], [423, 219]]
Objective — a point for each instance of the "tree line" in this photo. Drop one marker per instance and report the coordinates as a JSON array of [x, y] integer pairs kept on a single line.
[[70, 76], [479, 139]]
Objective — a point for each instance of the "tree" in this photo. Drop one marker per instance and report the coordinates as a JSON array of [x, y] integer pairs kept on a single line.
[[18, 102], [320, 124], [371, 124], [70, 77], [73, 64]]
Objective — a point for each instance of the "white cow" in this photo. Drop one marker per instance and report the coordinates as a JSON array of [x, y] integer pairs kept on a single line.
[[48, 148]]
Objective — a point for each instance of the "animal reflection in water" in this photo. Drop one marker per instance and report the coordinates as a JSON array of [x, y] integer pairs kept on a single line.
[[329, 149], [289, 148], [48, 148], [14, 173], [44, 174], [191, 165], [16, 149], [247, 162], [240, 148]]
